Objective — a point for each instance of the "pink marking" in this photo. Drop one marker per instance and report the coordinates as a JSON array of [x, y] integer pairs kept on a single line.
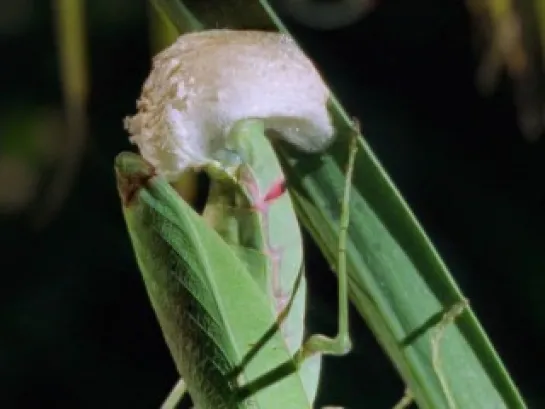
[[261, 204], [277, 190]]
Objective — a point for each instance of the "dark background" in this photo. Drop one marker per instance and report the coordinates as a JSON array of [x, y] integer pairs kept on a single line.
[[77, 329]]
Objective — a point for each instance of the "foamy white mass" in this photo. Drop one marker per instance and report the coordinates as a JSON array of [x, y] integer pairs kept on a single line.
[[206, 81]]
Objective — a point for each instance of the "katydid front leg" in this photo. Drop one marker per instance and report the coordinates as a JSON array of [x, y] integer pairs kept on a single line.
[[261, 203], [341, 343]]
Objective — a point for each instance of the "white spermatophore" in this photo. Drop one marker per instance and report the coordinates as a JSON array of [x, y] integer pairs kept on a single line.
[[206, 81]]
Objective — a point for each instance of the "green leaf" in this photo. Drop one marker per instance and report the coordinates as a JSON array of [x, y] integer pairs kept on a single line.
[[398, 282]]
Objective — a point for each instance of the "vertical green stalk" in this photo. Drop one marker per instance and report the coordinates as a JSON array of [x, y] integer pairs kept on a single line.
[[71, 42]]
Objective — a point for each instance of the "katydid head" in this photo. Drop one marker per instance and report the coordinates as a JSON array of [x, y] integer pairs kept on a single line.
[[132, 172]]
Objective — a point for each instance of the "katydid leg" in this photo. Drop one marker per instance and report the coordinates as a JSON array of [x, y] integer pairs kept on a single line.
[[341, 343], [261, 203]]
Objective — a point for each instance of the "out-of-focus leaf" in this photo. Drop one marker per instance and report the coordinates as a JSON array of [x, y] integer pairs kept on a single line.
[[29, 147], [18, 185], [73, 72], [511, 33]]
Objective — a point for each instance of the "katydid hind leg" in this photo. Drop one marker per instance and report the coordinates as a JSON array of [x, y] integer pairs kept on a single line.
[[341, 343]]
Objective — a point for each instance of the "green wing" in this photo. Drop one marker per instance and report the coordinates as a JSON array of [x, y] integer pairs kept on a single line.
[[212, 313]]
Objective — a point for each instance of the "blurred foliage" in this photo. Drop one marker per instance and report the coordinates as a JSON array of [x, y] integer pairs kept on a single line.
[[30, 147], [512, 39], [78, 330]]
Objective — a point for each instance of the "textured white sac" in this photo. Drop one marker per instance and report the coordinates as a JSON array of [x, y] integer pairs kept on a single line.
[[206, 81]]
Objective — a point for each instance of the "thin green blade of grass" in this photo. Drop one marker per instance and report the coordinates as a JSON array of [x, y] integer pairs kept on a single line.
[[398, 282], [178, 15], [72, 59]]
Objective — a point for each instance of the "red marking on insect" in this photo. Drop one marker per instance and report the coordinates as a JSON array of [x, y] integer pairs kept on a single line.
[[277, 190]]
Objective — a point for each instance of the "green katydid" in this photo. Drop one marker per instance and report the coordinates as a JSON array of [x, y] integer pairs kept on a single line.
[[186, 104], [210, 308]]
